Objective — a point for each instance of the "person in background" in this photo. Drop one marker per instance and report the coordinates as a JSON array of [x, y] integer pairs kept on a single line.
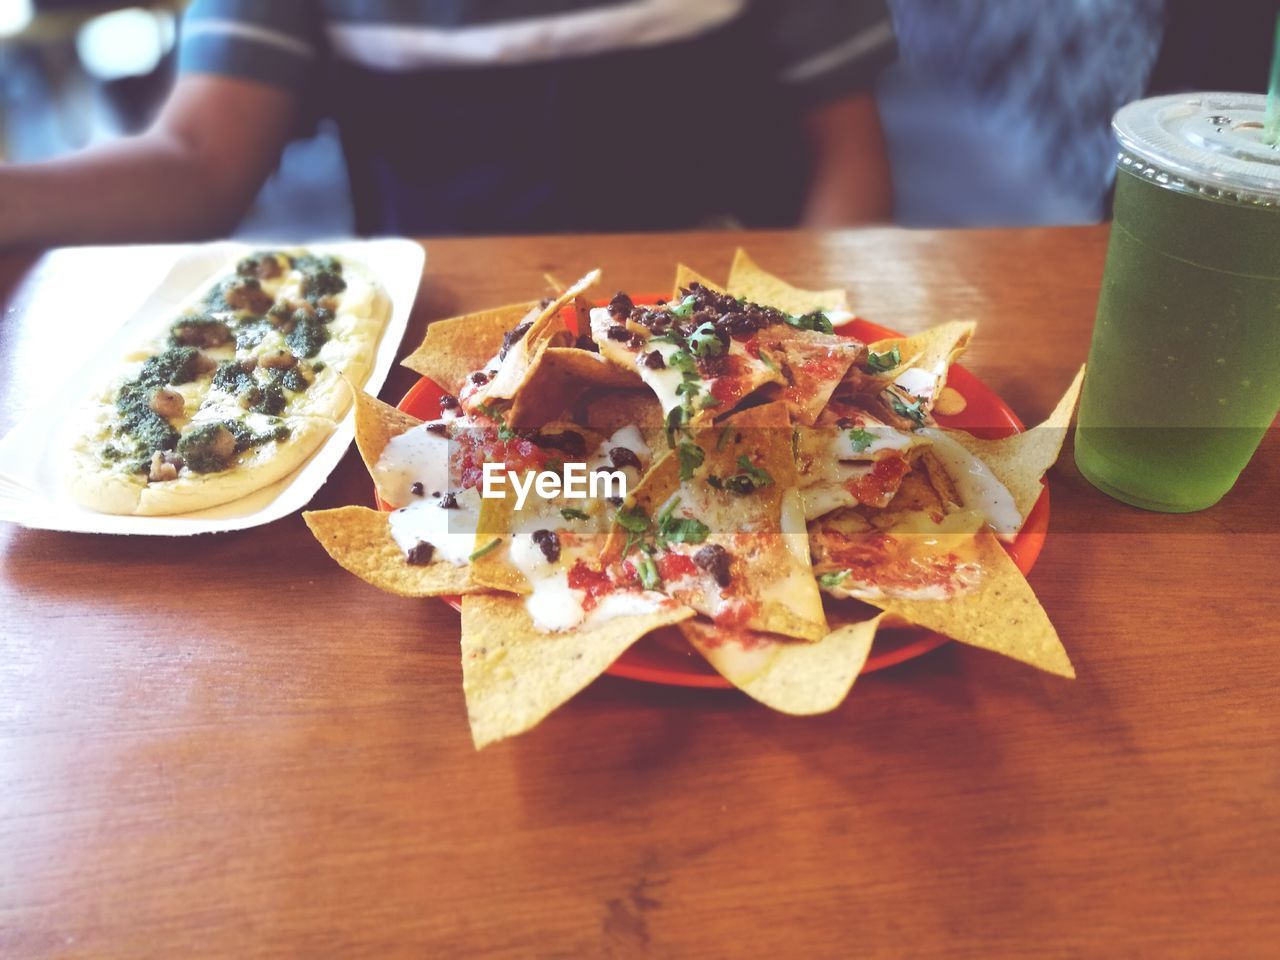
[[497, 117], [998, 112]]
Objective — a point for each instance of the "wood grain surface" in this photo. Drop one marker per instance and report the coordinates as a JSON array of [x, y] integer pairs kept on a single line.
[[227, 746]]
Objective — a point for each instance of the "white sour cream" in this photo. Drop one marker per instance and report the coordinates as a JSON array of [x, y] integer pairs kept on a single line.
[[415, 456], [978, 487], [451, 532]]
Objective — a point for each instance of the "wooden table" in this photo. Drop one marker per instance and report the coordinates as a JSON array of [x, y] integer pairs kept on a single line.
[[228, 746]]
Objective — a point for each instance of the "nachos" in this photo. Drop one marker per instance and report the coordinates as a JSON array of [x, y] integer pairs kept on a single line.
[[729, 461]]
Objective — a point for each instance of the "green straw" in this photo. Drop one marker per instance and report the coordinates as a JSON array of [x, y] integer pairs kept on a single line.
[[1271, 132]]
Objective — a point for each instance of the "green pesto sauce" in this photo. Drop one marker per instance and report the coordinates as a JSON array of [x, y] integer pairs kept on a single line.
[[198, 446], [141, 431], [251, 333], [265, 396], [307, 337], [321, 276]]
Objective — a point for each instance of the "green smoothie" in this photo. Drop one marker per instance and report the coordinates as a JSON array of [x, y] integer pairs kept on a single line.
[[1184, 370]]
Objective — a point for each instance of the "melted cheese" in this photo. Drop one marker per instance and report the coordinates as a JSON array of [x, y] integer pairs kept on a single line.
[[978, 487]]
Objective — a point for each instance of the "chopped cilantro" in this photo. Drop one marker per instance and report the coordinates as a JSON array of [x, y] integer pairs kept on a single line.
[[647, 570], [834, 578], [573, 513], [817, 321], [882, 362], [675, 420], [912, 411], [487, 548], [706, 341], [861, 439], [751, 479], [688, 387], [683, 530], [671, 336], [633, 519], [691, 458], [683, 361], [684, 307]]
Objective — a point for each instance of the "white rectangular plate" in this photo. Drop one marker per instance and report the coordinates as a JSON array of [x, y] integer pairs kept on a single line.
[[31, 490]]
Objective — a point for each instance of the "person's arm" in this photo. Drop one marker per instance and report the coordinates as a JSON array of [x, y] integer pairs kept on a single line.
[[850, 182], [192, 175]]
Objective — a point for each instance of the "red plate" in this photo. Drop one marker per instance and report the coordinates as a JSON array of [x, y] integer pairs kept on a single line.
[[664, 657]]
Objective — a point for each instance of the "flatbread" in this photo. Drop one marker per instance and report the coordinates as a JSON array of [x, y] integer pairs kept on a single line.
[[267, 358]]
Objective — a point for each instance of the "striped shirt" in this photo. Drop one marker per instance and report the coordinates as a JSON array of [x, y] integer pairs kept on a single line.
[[510, 115]]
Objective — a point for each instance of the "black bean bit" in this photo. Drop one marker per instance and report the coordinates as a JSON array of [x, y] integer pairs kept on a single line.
[[416, 488], [448, 402], [621, 457], [614, 501], [586, 343], [438, 428], [620, 306], [845, 423], [549, 543], [479, 377], [449, 501], [513, 337], [715, 559], [420, 553], [618, 332], [653, 360]]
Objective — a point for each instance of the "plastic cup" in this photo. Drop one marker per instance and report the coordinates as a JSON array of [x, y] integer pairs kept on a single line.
[[1184, 369]]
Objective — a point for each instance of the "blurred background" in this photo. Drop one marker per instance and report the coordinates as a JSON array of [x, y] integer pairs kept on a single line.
[[996, 111]]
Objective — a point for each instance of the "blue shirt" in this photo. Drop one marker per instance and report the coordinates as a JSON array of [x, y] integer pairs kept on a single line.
[[547, 115]]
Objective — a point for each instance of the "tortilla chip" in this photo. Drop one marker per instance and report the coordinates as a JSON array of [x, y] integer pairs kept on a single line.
[[456, 347], [359, 539], [746, 279], [933, 350], [790, 676], [1000, 614], [772, 559], [559, 377], [927, 488], [514, 675], [551, 312], [610, 412], [494, 568], [1021, 461], [687, 276], [376, 424], [813, 363], [546, 330]]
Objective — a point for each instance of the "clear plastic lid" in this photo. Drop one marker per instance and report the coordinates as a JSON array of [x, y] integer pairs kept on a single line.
[[1207, 142]]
